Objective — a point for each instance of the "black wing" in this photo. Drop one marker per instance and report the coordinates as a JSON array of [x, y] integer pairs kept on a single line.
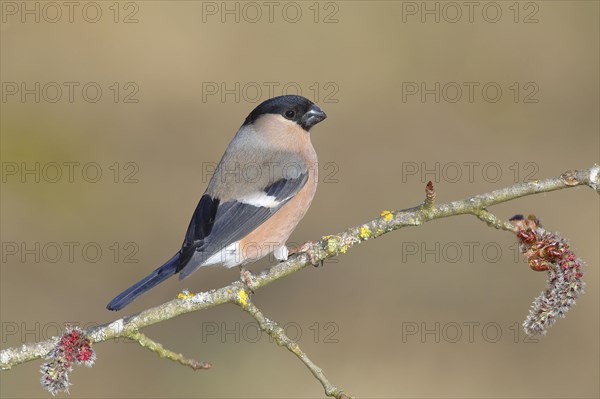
[[215, 225], [199, 228]]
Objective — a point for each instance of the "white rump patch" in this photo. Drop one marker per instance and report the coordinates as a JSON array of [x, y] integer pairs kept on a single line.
[[260, 199], [229, 256]]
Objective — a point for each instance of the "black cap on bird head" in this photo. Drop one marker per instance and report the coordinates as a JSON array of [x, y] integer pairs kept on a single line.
[[294, 108]]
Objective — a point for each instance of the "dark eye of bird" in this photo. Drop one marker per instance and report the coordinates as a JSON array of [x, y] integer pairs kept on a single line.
[[289, 114]]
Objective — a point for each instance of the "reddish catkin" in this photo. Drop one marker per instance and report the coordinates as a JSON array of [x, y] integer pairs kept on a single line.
[[72, 348], [550, 252]]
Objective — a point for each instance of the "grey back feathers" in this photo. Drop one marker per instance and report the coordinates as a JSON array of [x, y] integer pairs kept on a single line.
[[250, 164]]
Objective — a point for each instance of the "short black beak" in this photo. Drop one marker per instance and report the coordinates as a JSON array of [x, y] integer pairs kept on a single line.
[[313, 116]]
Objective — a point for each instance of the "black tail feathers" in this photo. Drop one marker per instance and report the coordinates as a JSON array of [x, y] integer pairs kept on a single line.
[[148, 282]]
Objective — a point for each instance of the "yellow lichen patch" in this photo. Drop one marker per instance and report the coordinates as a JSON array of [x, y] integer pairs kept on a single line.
[[343, 249], [243, 297], [185, 294], [364, 232], [332, 245], [386, 215]]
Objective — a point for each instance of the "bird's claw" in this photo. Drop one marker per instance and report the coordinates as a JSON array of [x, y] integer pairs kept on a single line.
[[246, 277], [307, 249]]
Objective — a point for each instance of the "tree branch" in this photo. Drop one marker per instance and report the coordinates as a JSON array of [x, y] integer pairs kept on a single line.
[[311, 253], [278, 334], [161, 351]]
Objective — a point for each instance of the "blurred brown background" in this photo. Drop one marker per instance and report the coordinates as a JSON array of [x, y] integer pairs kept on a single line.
[[358, 61]]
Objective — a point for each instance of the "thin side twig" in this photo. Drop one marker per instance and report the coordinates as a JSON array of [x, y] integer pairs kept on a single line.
[[278, 334], [163, 352]]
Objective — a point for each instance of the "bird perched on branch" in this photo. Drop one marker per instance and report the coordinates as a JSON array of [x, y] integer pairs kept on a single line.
[[260, 190]]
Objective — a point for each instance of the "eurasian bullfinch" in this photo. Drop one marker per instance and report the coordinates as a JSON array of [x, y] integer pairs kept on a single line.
[[259, 191]]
